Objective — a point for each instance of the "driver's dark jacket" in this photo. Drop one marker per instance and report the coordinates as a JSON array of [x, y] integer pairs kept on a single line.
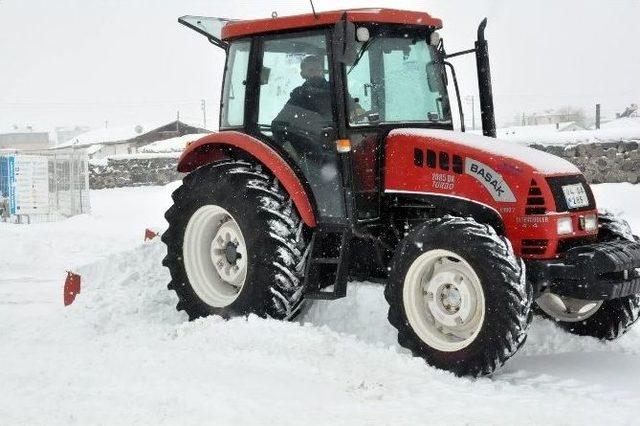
[[313, 95]]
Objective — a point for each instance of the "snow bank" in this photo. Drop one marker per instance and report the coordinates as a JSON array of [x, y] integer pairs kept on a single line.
[[122, 353]]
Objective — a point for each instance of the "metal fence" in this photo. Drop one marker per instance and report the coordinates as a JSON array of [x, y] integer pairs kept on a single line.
[[41, 186]]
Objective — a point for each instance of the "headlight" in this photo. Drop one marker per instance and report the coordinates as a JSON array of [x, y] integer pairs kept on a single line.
[[565, 225], [590, 223]]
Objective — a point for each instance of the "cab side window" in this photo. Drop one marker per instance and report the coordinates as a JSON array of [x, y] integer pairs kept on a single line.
[[235, 83], [294, 86]]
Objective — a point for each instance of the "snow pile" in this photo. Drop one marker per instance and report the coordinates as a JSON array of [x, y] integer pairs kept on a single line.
[[122, 353]]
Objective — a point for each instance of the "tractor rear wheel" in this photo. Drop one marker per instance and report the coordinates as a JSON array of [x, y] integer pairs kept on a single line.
[[235, 244], [604, 320], [458, 296]]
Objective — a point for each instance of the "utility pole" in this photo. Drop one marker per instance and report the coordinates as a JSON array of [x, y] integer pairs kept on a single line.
[[178, 122], [597, 116], [203, 104]]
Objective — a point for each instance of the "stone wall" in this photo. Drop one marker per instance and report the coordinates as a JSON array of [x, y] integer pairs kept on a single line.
[[602, 162], [118, 172]]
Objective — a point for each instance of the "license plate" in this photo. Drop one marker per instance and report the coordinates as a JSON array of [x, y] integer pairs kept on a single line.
[[575, 195]]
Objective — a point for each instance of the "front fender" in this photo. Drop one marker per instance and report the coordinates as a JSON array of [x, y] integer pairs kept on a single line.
[[214, 147]]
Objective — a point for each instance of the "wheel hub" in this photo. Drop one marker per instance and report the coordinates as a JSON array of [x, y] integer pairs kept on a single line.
[[231, 253], [226, 252], [448, 296]]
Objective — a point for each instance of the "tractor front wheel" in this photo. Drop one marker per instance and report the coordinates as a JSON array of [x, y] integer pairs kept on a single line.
[[604, 320], [458, 296], [235, 244]]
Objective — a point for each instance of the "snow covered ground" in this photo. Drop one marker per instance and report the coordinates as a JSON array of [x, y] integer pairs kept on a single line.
[[121, 354]]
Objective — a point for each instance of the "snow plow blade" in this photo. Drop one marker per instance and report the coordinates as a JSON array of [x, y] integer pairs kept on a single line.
[[602, 271], [71, 288]]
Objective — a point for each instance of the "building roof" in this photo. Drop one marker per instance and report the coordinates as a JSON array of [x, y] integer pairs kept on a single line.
[[115, 135], [234, 29]]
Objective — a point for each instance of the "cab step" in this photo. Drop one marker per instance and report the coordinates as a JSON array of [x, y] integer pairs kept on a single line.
[[327, 265]]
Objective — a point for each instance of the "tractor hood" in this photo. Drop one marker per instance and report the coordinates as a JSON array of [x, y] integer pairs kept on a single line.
[[494, 150]]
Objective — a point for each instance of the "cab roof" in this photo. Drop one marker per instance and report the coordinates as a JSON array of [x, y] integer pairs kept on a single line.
[[235, 29]]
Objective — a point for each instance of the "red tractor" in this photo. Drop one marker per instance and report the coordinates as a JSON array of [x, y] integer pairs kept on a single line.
[[336, 160]]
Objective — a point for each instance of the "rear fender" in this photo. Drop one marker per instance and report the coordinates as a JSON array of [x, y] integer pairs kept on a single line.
[[216, 147]]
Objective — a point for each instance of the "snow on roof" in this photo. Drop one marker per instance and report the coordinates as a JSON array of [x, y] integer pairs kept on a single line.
[[540, 160], [172, 145], [113, 135]]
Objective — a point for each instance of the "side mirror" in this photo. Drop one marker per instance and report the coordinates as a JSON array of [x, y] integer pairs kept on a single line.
[[344, 41], [436, 76]]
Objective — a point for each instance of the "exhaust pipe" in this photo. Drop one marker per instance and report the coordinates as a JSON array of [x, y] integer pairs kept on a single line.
[[484, 83]]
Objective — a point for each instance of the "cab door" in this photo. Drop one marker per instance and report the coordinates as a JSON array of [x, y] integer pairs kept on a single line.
[[296, 114], [364, 104]]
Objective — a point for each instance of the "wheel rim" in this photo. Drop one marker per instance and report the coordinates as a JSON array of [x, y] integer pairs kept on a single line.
[[567, 309], [444, 300], [215, 256]]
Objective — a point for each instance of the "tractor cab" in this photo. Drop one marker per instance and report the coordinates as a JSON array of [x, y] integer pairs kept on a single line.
[[302, 83]]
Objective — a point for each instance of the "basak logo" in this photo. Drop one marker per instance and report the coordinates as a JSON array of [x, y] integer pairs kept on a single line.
[[490, 179]]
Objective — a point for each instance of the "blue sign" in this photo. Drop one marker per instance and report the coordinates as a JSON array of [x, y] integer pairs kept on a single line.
[[8, 181]]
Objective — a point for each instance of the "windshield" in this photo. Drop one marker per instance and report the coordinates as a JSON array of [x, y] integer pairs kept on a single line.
[[398, 78]]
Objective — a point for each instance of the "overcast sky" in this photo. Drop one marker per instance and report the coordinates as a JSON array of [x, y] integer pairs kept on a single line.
[[84, 62]]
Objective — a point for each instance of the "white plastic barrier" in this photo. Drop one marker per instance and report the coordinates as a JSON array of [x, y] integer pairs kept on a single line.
[[43, 186]]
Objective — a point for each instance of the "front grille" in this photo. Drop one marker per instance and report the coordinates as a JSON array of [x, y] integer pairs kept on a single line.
[[534, 246], [556, 184], [535, 201]]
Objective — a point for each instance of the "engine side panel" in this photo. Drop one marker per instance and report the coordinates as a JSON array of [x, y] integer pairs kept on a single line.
[[513, 189]]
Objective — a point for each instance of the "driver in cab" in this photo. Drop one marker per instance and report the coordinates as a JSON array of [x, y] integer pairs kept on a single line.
[[315, 93]]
